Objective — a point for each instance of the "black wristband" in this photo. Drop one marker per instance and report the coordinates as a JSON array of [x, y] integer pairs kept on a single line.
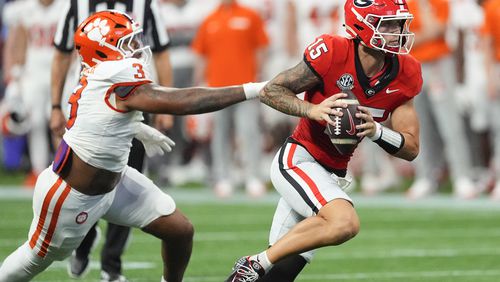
[[391, 141], [56, 107]]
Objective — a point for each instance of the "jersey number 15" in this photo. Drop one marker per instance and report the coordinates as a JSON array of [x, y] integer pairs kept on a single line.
[[317, 49]]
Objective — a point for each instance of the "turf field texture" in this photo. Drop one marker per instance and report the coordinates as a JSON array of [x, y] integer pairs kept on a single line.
[[437, 239]]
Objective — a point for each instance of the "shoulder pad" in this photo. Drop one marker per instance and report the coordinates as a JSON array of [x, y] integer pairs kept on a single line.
[[325, 51], [121, 71], [411, 71]]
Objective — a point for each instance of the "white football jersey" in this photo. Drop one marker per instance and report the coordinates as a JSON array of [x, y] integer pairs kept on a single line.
[[99, 133], [40, 22], [12, 12]]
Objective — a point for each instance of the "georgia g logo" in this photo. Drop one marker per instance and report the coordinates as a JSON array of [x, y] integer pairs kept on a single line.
[[363, 3]]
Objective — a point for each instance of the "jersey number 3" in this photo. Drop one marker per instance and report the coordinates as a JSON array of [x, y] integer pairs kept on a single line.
[[317, 49], [140, 71]]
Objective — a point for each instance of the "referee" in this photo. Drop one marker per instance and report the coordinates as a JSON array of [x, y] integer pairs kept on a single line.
[[146, 12]]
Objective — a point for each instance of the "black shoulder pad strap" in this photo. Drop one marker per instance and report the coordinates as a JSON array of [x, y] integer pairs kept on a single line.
[[124, 91]]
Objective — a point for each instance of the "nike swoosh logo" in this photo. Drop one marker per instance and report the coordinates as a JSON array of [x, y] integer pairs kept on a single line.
[[352, 130], [389, 91]]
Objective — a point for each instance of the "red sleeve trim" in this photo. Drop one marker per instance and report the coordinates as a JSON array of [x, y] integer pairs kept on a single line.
[[135, 84]]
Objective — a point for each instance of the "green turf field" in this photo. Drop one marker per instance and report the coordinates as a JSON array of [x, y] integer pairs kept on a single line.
[[435, 240]]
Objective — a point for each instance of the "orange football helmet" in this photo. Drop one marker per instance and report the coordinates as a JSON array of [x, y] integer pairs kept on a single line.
[[108, 36], [370, 21]]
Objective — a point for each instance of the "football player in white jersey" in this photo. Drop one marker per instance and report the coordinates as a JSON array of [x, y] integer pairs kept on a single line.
[[33, 47], [89, 178]]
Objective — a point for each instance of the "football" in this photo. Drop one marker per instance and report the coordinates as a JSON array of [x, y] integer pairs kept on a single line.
[[343, 133]]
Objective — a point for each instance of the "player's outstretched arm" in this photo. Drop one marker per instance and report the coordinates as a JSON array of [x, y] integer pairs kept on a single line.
[[281, 94], [153, 98]]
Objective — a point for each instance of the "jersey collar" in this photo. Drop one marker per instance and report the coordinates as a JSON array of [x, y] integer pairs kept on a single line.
[[387, 77]]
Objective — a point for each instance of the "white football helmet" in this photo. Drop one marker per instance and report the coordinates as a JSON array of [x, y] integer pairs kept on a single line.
[[13, 113]]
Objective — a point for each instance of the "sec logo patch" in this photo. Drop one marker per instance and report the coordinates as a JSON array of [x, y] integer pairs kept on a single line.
[[81, 217]]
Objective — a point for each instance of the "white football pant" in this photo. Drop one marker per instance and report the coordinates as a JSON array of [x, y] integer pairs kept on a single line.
[[63, 216], [305, 187]]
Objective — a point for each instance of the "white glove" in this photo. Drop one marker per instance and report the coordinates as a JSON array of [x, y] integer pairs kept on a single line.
[[344, 182], [155, 143]]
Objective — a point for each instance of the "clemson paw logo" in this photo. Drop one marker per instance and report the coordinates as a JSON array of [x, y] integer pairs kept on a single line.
[[97, 29]]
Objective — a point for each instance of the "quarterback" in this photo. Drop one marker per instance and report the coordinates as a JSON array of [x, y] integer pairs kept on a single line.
[[89, 178], [309, 171]]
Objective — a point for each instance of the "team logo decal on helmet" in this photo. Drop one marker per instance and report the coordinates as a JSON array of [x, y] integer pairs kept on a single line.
[[363, 3], [108, 36], [97, 30]]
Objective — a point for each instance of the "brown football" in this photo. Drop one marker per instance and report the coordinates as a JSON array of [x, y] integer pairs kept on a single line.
[[343, 132]]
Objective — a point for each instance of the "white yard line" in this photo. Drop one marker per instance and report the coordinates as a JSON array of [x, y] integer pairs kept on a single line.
[[381, 201], [94, 264]]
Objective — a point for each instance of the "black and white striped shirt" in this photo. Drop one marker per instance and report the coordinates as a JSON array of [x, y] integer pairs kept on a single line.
[[146, 12]]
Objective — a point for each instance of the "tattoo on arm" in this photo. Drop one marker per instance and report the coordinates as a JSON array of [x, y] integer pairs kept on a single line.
[[280, 93]]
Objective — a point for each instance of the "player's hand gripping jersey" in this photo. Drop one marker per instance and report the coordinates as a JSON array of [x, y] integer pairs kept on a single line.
[[98, 132], [335, 61]]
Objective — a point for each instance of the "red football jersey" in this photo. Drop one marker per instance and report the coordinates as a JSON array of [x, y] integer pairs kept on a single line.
[[335, 61]]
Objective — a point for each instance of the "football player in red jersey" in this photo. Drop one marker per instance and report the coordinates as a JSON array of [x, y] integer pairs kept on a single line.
[[308, 171]]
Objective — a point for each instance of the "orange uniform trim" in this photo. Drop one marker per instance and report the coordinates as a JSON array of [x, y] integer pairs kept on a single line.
[[53, 221], [43, 214], [304, 176], [5, 129]]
